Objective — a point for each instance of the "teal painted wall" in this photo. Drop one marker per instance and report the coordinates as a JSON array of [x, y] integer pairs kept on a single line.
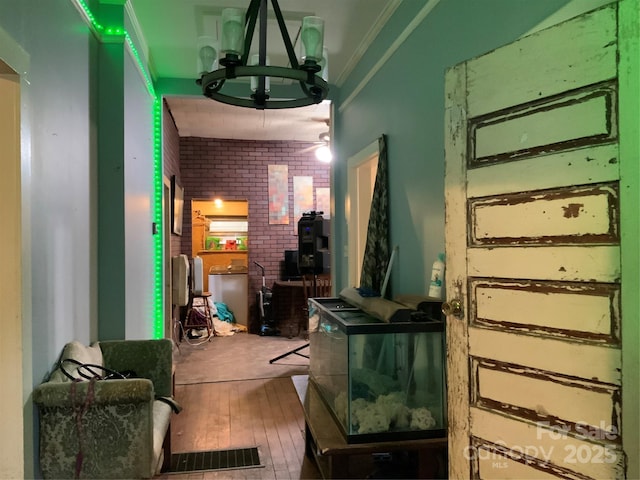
[[405, 100]]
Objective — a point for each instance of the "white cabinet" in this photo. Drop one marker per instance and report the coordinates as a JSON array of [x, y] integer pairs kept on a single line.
[[232, 290]]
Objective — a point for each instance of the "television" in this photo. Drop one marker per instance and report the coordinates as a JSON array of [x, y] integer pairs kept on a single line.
[[177, 206]]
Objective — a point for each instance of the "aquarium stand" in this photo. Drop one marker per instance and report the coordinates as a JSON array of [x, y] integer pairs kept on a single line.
[[326, 445]]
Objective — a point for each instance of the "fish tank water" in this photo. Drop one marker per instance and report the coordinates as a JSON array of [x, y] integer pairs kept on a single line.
[[380, 381]]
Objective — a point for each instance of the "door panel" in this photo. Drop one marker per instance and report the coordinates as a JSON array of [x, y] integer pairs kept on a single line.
[[533, 173], [585, 361], [533, 245], [559, 309], [599, 263], [544, 126], [554, 446], [584, 52], [568, 215]]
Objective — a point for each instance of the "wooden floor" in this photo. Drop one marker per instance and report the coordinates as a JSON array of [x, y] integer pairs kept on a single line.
[[222, 415]]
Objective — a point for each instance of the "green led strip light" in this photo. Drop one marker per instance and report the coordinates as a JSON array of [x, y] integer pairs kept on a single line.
[[158, 185]]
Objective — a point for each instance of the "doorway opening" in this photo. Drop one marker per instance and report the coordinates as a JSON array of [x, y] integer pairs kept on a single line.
[[361, 178], [11, 259]]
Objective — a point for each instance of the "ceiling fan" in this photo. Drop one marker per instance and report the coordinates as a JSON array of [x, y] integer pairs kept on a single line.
[[321, 148]]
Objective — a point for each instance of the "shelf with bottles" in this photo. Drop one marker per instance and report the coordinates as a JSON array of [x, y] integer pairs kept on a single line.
[[225, 241], [220, 225]]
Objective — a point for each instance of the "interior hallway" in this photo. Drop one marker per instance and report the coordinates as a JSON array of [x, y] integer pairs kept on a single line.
[[232, 397]]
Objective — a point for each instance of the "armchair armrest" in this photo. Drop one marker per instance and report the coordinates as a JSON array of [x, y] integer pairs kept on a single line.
[[105, 392], [150, 359]]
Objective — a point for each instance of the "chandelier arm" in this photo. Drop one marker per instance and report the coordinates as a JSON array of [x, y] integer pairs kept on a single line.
[[267, 105], [319, 88], [266, 71], [315, 91], [260, 94], [218, 85], [285, 35], [250, 26]]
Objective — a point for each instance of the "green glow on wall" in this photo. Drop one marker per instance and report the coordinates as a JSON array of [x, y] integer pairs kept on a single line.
[[158, 186]]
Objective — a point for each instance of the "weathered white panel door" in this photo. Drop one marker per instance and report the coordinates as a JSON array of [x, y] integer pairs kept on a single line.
[[541, 220]]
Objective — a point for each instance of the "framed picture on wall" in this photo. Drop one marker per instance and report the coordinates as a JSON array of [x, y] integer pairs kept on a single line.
[[177, 206]]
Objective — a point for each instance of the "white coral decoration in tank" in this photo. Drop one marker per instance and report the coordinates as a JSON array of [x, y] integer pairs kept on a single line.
[[395, 409], [372, 419], [340, 406], [421, 419]]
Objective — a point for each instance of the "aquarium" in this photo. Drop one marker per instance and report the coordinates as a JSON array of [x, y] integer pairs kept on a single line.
[[380, 381]]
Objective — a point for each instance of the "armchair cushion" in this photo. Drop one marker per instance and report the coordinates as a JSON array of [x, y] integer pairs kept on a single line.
[[83, 354]]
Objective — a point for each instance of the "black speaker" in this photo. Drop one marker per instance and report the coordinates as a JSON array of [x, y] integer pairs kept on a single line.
[[313, 243]]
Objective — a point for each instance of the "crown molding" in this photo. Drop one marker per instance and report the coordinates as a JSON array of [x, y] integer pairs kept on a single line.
[[373, 32], [419, 18]]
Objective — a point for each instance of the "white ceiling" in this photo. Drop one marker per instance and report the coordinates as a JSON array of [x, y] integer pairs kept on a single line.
[[202, 117], [171, 29]]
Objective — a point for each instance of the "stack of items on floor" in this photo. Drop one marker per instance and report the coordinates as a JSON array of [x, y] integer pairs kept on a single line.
[[224, 323]]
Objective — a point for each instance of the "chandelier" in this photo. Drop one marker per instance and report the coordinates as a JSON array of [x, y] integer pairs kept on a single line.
[[236, 62]]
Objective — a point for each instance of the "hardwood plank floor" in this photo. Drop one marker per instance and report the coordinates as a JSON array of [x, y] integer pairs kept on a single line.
[[220, 415]]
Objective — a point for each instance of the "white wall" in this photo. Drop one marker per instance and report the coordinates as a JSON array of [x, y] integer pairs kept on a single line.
[[138, 204], [58, 187], [55, 54]]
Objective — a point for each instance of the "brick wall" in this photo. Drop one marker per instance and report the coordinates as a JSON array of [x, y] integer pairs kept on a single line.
[[237, 170], [171, 161]]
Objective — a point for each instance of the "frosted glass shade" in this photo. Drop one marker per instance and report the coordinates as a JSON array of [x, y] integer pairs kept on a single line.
[[312, 37], [232, 31]]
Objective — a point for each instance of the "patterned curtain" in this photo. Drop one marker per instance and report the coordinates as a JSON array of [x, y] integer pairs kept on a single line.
[[377, 251]]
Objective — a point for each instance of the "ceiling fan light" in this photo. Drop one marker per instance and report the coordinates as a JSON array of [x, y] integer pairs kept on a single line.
[[312, 37], [324, 154], [232, 32]]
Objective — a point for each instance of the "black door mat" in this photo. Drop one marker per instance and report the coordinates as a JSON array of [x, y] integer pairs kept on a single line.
[[215, 460]]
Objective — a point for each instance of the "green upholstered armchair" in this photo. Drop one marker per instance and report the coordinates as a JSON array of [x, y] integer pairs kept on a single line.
[[107, 428]]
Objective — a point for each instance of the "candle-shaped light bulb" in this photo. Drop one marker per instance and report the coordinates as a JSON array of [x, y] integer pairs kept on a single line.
[[207, 54], [208, 58]]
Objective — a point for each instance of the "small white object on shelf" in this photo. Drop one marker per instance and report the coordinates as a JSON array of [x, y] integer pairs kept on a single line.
[[437, 276]]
